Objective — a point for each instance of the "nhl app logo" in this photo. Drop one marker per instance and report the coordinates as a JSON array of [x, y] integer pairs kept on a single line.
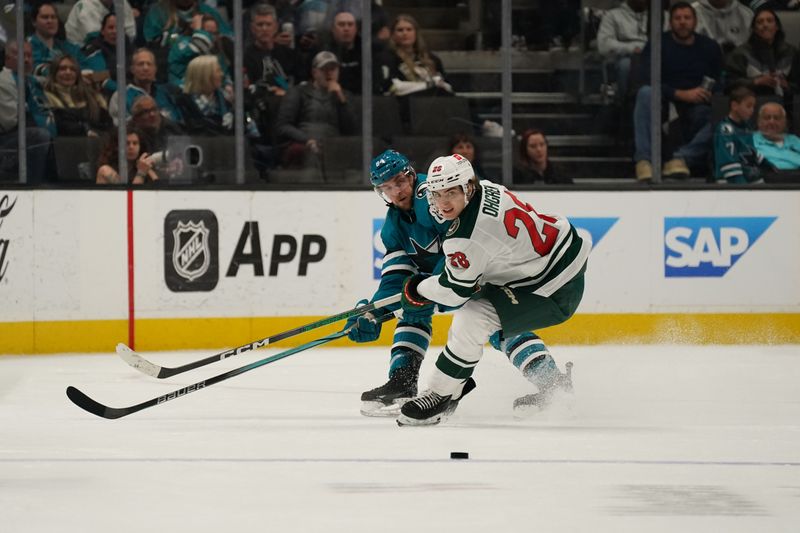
[[191, 258]]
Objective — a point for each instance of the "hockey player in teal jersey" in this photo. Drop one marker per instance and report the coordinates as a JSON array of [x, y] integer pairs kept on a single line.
[[735, 158], [508, 269], [413, 239]]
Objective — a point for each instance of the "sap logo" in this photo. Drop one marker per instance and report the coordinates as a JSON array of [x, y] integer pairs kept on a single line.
[[708, 247], [378, 249], [595, 227]]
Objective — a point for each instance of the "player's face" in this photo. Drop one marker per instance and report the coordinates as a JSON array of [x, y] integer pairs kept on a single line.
[[450, 202], [398, 191]]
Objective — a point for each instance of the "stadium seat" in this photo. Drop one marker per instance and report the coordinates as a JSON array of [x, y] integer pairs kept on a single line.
[[419, 150], [342, 159], [76, 158], [218, 158], [439, 115], [386, 121]]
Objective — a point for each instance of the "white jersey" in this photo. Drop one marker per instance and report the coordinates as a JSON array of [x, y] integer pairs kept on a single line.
[[500, 240]]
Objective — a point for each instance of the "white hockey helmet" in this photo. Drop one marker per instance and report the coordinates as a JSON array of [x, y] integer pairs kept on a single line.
[[449, 171]]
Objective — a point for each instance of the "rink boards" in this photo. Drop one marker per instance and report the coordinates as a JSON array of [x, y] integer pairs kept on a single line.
[[83, 270]]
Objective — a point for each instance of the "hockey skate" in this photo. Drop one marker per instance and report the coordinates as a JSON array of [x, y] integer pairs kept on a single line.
[[387, 399], [431, 408], [534, 403]]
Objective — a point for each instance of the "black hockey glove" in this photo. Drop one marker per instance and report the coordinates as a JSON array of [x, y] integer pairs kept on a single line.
[[416, 309], [366, 328]]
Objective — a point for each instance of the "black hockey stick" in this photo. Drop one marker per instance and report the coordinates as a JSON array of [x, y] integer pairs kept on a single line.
[[151, 369], [96, 408]]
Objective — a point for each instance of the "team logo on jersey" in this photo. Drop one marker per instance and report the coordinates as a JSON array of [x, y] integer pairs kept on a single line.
[[453, 227], [709, 247], [422, 191], [190, 250]]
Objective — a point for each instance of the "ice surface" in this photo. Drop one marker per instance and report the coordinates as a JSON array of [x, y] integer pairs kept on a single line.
[[660, 439]]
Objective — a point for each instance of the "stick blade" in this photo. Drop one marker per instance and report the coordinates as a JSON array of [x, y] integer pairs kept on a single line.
[[137, 361], [96, 408]]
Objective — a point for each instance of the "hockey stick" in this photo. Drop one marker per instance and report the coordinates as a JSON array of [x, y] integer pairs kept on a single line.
[[151, 369], [96, 408]]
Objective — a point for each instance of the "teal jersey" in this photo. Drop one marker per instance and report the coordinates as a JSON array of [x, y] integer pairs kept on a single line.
[[43, 56], [735, 158], [413, 242]]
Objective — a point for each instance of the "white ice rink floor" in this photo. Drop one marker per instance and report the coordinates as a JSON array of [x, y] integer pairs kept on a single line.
[[660, 439]]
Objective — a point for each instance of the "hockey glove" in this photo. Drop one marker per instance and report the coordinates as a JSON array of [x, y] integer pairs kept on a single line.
[[366, 328], [416, 309]]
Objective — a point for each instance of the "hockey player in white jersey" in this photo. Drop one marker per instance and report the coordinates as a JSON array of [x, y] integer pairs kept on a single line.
[[510, 269]]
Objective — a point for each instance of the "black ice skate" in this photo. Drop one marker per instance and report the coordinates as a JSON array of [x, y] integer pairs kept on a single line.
[[387, 399], [534, 403], [431, 408]]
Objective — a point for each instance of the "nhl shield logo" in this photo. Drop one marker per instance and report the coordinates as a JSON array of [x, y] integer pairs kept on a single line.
[[190, 253], [191, 249]]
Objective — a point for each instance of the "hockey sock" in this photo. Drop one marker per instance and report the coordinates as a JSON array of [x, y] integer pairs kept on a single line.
[[410, 344]]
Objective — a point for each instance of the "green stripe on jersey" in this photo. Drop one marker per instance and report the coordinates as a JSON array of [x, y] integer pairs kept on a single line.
[[454, 366]]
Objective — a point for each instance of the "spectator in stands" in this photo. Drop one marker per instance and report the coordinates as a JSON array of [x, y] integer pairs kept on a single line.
[[463, 145], [691, 67], [380, 21], [140, 166], [407, 67], [534, 163], [314, 110], [621, 37], [45, 43], [78, 109], [86, 19], [268, 64], [735, 158], [780, 149], [101, 55], [345, 42], [143, 74], [40, 126], [725, 21], [203, 104], [167, 20], [766, 60], [155, 128], [205, 39]]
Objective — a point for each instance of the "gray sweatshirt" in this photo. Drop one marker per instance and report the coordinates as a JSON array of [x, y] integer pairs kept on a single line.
[[621, 31], [729, 26]]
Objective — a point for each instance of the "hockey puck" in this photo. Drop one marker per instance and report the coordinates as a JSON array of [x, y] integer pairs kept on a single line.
[[459, 455]]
